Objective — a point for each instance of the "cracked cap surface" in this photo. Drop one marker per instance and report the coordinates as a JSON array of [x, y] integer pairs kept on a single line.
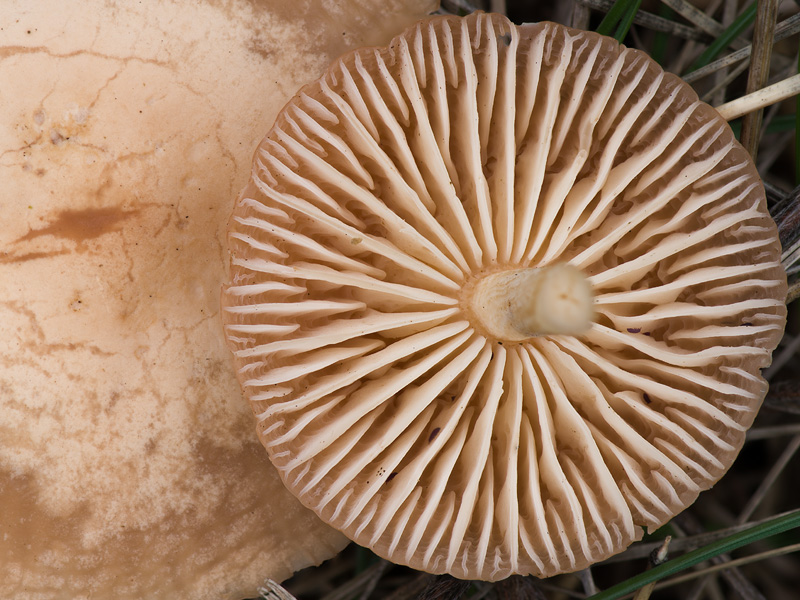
[[128, 466]]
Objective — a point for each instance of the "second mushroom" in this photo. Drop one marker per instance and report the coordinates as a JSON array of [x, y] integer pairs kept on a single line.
[[501, 296]]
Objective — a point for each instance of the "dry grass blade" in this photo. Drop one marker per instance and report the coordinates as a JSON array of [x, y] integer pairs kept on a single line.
[[560, 592], [784, 397], [359, 583], [694, 15], [719, 64], [412, 588], [757, 100], [587, 581], [769, 480], [445, 587], [783, 30], [737, 580], [763, 36], [734, 578], [786, 353], [458, 7], [274, 591], [741, 23], [728, 16], [787, 217], [794, 292], [772, 527], [581, 15], [651, 21], [372, 582], [766, 433], [726, 81], [517, 587], [497, 6]]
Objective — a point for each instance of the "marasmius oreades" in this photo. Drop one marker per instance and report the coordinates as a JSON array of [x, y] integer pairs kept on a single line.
[[501, 296]]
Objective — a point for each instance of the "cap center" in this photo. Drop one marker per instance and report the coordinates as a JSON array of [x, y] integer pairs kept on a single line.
[[519, 304]]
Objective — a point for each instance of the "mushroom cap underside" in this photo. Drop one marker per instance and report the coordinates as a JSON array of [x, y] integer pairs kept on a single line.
[[469, 148]]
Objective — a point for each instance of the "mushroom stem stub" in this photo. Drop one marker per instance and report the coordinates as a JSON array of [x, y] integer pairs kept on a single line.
[[519, 304]]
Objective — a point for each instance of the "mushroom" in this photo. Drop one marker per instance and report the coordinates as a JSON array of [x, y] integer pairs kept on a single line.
[[129, 467], [500, 296]]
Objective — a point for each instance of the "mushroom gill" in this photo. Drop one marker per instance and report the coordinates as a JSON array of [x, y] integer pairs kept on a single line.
[[401, 208]]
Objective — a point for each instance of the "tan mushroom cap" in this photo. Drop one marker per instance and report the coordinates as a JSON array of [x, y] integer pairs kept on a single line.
[[501, 296], [129, 468]]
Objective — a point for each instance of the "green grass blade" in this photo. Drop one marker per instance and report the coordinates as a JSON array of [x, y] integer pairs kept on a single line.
[[737, 540], [742, 22], [627, 21], [615, 15]]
